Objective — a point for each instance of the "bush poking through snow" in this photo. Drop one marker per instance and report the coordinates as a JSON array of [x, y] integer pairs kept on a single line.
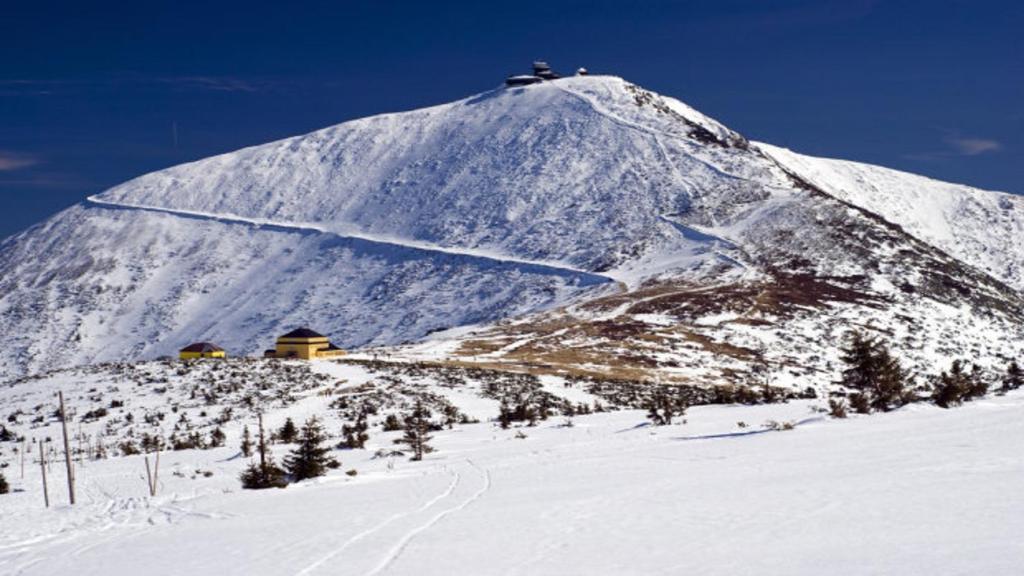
[[392, 423], [837, 408], [664, 405], [259, 476], [417, 424], [958, 386], [1014, 377], [4, 488], [355, 435], [265, 473]]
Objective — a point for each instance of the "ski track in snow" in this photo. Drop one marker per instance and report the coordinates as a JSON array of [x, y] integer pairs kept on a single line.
[[258, 223], [396, 552], [456, 479]]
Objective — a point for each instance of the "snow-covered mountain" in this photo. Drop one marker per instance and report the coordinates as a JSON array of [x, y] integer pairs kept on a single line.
[[611, 221]]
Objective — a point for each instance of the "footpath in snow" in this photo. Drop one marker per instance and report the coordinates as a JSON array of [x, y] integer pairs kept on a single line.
[[344, 232]]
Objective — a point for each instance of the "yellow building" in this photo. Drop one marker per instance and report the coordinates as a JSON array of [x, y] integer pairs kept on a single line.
[[304, 344], [201, 350]]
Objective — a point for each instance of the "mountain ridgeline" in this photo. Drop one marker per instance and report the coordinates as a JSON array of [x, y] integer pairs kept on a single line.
[[585, 225]]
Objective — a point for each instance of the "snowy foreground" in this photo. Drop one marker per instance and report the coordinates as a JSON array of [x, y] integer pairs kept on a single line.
[[919, 491]]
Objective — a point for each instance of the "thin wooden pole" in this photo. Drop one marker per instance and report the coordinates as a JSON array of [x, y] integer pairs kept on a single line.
[[42, 466], [67, 449], [22, 458], [263, 446], [156, 469]]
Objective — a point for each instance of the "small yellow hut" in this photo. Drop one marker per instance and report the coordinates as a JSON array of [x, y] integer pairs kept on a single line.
[[201, 350], [304, 344]]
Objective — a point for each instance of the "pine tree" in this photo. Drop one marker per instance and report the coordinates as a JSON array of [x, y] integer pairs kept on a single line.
[[217, 438], [355, 435], [417, 425], [392, 423], [4, 488], [952, 386], [246, 445], [310, 459], [288, 433], [977, 386], [504, 415], [265, 473], [873, 371], [1014, 377], [662, 407]]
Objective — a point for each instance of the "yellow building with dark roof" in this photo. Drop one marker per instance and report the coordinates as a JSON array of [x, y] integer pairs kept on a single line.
[[304, 344], [201, 350]]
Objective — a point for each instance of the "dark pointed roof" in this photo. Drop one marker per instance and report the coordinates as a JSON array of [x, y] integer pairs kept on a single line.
[[202, 347], [303, 333]]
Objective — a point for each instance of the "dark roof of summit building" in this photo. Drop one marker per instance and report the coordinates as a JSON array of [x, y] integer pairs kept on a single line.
[[303, 333], [202, 347]]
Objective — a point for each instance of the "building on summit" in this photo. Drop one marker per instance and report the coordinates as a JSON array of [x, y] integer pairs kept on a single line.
[[201, 350], [541, 72], [304, 344]]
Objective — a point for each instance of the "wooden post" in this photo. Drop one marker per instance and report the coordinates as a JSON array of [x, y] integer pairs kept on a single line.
[[42, 466], [156, 468], [22, 458], [263, 446], [149, 477], [67, 449]]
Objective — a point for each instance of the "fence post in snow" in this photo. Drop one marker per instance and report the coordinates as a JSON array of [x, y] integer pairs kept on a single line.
[[42, 466], [67, 449]]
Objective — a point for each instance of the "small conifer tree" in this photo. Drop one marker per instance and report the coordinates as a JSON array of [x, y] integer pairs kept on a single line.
[[662, 407], [311, 458], [952, 387], [4, 488], [1014, 377], [416, 437], [392, 423], [246, 445], [874, 372], [217, 438], [265, 473], [288, 433], [355, 435], [504, 415], [977, 386]]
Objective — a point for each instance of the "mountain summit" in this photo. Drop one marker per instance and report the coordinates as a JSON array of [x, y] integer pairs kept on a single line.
[[628, 234]]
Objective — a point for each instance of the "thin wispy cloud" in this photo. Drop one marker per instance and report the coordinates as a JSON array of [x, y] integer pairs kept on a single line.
[[959, 146], [10, 161], [199, 83], [973, 146], [214, 83]]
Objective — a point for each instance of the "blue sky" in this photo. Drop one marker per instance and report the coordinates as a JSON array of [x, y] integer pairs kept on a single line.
[[94, 93]]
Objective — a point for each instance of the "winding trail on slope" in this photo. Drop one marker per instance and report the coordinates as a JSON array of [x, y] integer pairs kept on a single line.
[[597, 107], [399, 548], [551, 268], [456, 479]]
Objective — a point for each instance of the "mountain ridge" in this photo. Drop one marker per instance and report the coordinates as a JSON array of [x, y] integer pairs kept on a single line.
[[508, 203]]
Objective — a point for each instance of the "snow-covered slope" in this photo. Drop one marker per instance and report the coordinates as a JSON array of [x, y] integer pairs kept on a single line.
[[513, 201], [983, 228], [917, 491]]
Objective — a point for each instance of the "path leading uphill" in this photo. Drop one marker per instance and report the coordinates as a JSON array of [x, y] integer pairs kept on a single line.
[[556, 268]]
